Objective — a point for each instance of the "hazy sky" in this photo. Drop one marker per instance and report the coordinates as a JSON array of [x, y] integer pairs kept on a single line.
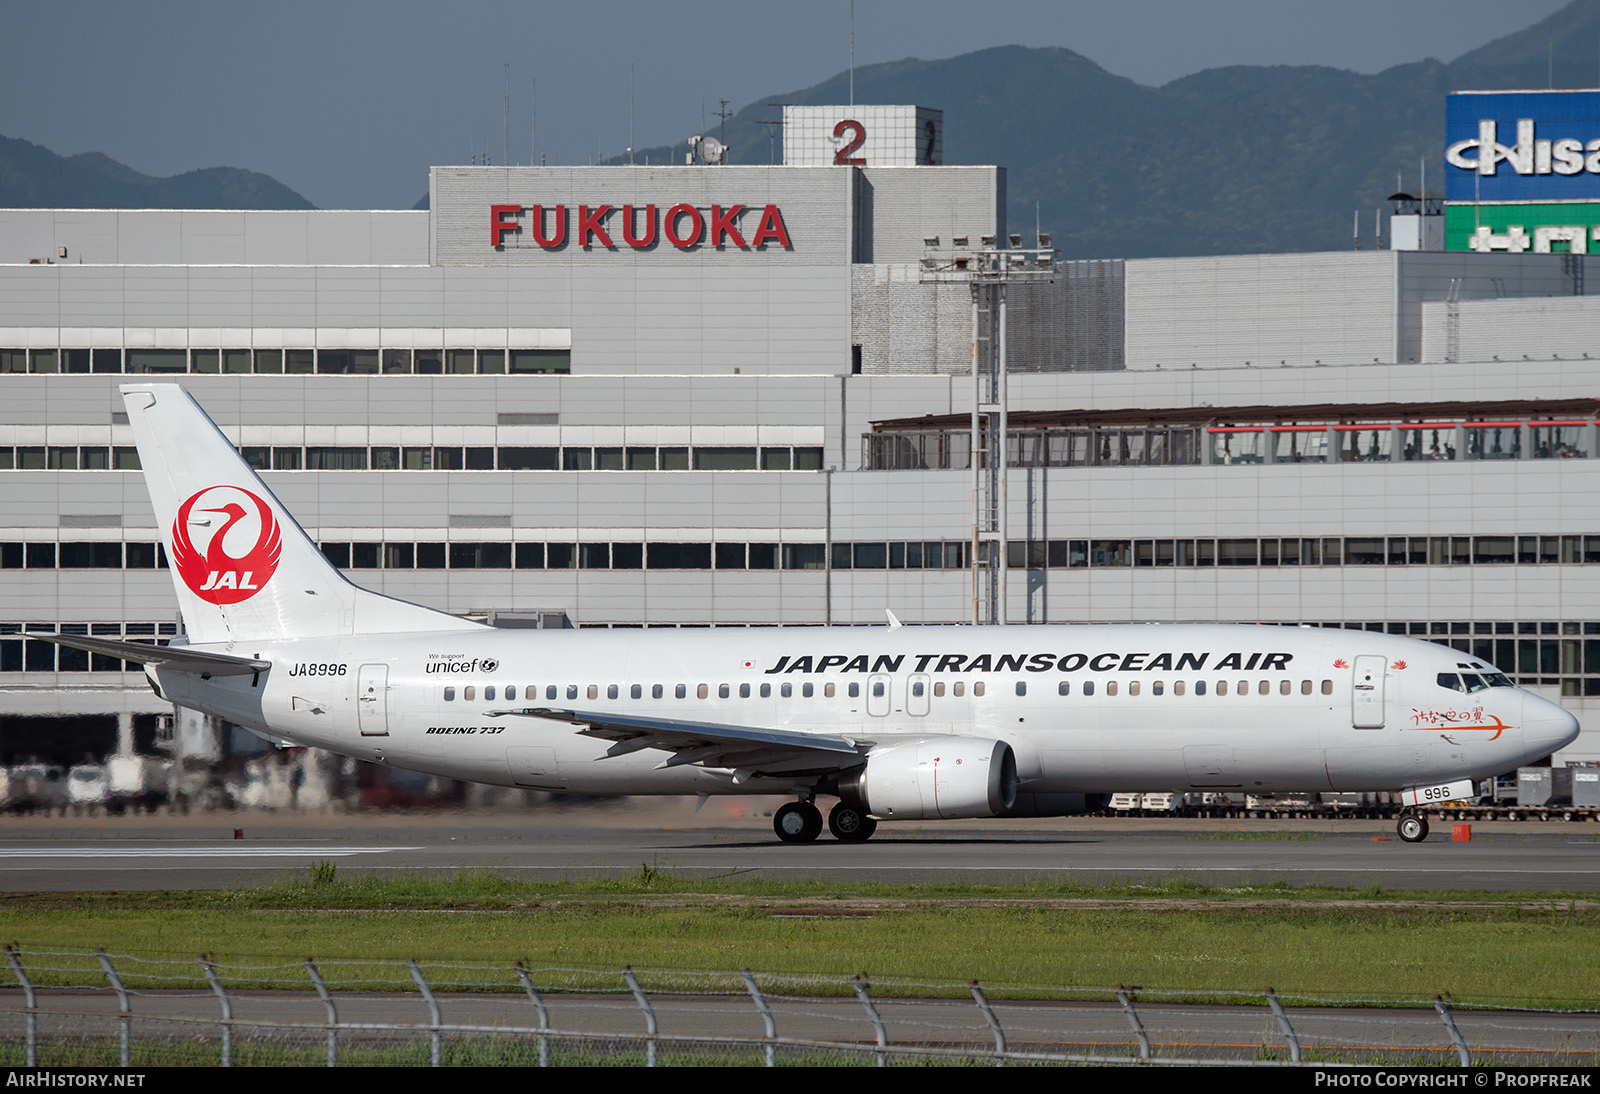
[[350, 102]]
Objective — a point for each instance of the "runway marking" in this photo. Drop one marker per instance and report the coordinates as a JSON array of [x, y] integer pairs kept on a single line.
[[197, 852]]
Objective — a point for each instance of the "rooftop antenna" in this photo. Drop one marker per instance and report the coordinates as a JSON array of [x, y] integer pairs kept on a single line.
[[772, 138], [852, 52], [533, 122], [630, 112], [724, 114], [1357, 225], [505, 116]]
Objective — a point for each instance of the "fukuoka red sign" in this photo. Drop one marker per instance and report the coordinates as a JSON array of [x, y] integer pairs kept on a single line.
[[641, 227]]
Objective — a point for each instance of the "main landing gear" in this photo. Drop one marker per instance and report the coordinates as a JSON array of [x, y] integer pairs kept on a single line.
[[801, 822], [1413, 828], [797, 822]]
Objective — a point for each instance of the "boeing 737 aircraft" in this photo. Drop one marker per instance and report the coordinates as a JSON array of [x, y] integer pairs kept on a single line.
[[901, 723]]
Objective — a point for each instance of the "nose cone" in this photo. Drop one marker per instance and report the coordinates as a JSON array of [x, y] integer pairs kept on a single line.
[[1546, 727]]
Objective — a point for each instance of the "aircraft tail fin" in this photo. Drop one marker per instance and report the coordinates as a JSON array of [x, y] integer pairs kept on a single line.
[[242, 568]]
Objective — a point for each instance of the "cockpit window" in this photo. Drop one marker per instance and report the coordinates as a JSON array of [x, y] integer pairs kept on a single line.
[[1498, 680], [1450, 681], [1473, 682]]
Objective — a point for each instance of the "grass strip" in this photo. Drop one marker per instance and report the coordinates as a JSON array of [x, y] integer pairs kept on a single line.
[[1188, 940]]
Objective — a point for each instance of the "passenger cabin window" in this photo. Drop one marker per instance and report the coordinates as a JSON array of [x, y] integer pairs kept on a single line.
[[1222, 687], [1156, 687], [550, 692], [938, 690], [488, 693], [657, 691], [744, 691], [594, 691], [511, 692], [766, 691], [1305, 687], [1088, 687], [877, 689], [1133, 687], [829, 690], [918, 689], [1265, 687], [1064, 688], [1284, 687], [1199, 687], [960, 689], [1111, 687], [635, 692], [855, 691], [807, 690], [1327, 687], [611, 691], [702, 691], [977, 687], [722, 691], [449, 695], [786, 690], [468, 693], [572, 691], [1022, 687], [682, 691], [1177, 687]]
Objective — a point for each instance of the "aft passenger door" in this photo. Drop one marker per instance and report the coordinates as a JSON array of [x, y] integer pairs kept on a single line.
[[1366, 696], [372, 700]]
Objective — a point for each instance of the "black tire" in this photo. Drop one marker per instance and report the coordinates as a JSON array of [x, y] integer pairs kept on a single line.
[[1412, 828], [849, 824], [797, 822]]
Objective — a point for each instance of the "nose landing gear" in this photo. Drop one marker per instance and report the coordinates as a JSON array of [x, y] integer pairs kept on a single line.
[[1412, 827]]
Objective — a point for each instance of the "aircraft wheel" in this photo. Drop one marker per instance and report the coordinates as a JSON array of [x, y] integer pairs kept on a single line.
[[797, 822], [1412, 828], [849, 824]]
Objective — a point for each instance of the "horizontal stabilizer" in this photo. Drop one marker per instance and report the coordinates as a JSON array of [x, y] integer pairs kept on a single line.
[[180, 658]]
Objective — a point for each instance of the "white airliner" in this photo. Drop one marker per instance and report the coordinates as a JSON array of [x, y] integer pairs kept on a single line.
[[901, 723]]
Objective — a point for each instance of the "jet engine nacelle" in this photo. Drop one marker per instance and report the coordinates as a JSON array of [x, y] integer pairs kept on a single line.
[[936, 779]]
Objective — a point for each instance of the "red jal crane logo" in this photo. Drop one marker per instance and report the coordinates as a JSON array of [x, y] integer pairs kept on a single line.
[[210, 571]]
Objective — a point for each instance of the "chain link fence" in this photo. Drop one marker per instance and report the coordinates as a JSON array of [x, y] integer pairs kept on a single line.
[[97, 1009]]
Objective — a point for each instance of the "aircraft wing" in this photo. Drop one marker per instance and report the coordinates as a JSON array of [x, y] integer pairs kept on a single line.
[[747, 749], [181, 658]]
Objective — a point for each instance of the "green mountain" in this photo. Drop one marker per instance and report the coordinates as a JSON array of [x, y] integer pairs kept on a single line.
[[32, 177], [1229, 160]]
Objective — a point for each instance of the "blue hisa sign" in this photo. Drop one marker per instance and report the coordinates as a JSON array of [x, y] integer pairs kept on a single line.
[[1522, 146]]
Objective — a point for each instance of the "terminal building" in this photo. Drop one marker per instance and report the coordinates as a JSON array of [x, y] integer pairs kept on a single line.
[[720, 395]]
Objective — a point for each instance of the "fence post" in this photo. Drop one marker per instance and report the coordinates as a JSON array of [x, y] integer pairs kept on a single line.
[[333, 1012], [227, 1010], [126, 1021], [1443, 1007], [433, 1010], [766, 1015], [1284, 1027], [544, 1014], [861, 985], [994, 1023], [649, 1015], [32, 1034], [1133, 1020]]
